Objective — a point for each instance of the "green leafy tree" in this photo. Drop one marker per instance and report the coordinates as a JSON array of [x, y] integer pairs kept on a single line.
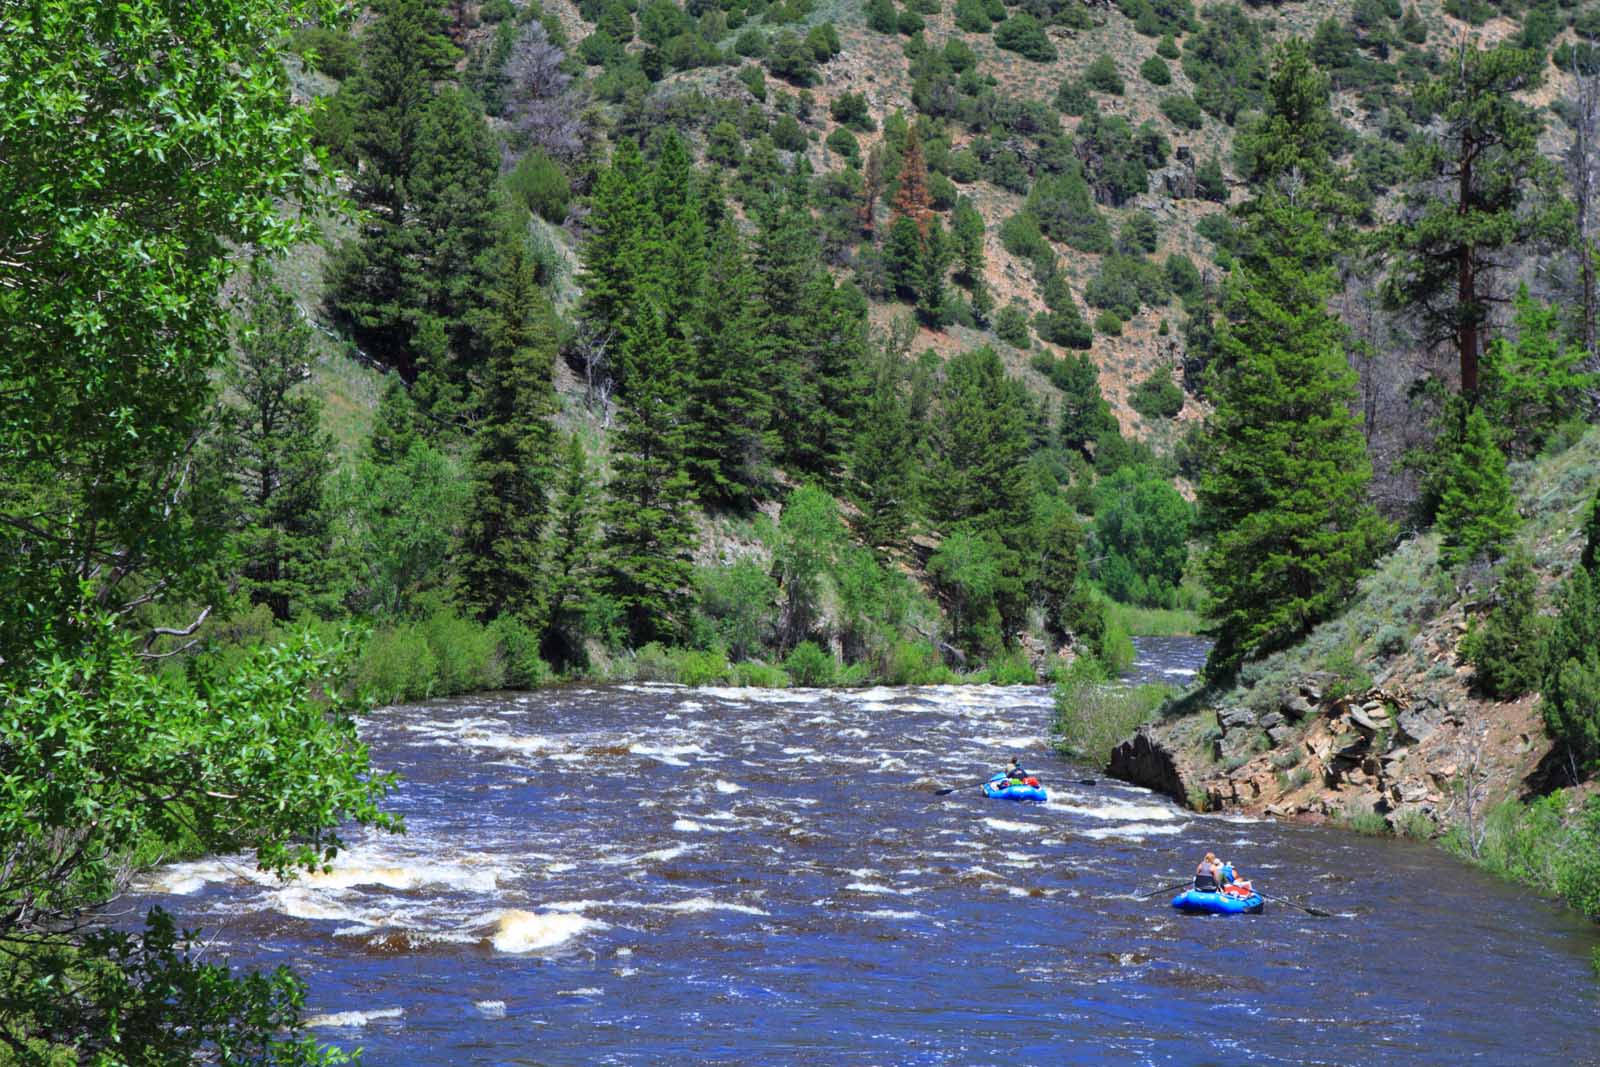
[[503, 544], [1477, 509], [270, 437], [1142, 524], [809, 537], [970, 571], [1478, 189]]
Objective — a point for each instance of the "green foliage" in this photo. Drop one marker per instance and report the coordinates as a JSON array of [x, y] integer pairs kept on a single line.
[[1142, 525], [1102, 75], [1011, 326], [968, 571], [810, 665], [1022, 34], [502, 550], [538, 182], [1140, 233], [270, 439], [1531, 384], [1167, 48], [1157, 397], [1094, 715], [851, 109], [1444, 245], [1477, 512], [1063, 208], [136, 218], [740, 600], [331, 51], [1507, 649], [1085, 415], [1183, 112], [1283, 499], [1226, 61], [1155, 71], [1126, 283], [1572, 677], [1544, 846], [1108, 323]]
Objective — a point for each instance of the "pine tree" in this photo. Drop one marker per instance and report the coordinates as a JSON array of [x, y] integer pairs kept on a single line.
[[967, 228], [271, 439], [1283, 497], [403, 54], [1507, 651], [728, 409], [1572, 673], [935, 262], [649, 527], [620, 221], [1502, 196], [503, 543], [573, 553], [903, 257], [1529, 385], [883, 476], [452, 189], [1477, 510], [1085, 415], [1591, 535], [679, 209]]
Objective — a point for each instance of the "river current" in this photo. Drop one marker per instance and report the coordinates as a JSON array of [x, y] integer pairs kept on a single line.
[[657, 875]]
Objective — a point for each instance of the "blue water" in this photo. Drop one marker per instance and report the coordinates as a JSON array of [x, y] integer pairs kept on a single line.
[[651, 875]]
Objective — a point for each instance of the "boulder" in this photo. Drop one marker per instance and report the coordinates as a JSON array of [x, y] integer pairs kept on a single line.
[[1271, 719], [1236, 719], [1296, 705], [1369, 717], [1281, 735], [1417, 723], [1146, 759]]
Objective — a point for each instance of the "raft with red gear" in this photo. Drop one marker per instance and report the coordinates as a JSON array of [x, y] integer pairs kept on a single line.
[[1001, 787]]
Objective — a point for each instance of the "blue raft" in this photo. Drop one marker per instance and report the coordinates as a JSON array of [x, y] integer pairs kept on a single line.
[[1218, 903], [997, 789]]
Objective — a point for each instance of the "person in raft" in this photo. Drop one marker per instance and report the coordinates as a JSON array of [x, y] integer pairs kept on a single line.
[[1233, 883], [1207, 874], [1015, 771]]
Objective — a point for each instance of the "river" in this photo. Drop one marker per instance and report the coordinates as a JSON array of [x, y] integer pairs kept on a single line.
[[655, 875]]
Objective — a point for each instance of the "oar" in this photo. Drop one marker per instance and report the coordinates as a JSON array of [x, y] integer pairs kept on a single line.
[[1164, 889], [1318, 912], [965, 785]]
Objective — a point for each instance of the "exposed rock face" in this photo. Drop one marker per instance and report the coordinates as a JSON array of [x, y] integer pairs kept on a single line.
[[1384, 750], [1146, 759]]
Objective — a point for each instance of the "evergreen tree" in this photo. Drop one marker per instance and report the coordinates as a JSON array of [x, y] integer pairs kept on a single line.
[[911, 198], [728, 408], [271, 439], [1477, 510], [452, 189], [935, 263], [1063, 324], [1591, 534], [371, 278], [882, 470], [1085, 415], [1283, 498], [966, 226], [1501, 194], [680, 210], [573, 555], [1572, 674], [1508, 650], [503, 543], [649, 526], [621, 222], [903, 257], [1529, 385]]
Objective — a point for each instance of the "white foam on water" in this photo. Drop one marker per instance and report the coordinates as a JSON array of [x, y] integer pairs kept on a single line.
[[516, 931], [702, 904], [1117, 810], [873, 887], [352, 1019], [668, 754], [1134, 831], [1179, 672], [490, 1009], [298, 903], [687, 826], [728, 787], [661, 855], [561, 868], [586, 991], [1013, 827], [1005, 742], [890, 913]]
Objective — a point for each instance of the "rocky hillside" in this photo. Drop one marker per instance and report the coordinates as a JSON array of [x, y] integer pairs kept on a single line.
[[1376, 713]]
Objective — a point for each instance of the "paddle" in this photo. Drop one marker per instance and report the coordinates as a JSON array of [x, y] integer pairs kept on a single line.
[[964, 785], [1318, 912], [1164, 889]]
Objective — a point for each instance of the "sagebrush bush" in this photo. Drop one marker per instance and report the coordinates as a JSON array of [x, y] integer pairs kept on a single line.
[[810, 665]]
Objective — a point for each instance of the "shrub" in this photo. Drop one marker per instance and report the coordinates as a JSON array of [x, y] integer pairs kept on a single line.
[[1102, 76], [1140, 233], [752, 44], [851, 109], [910, 23], [1183, 276], [1167, 47], [916, 663], [842, 142], [1182, 111], [809, 665], [1094, 715], [1157, 397], [972, 16], [754, 80], [1126, 283], [523, 667], [1389, 641], [740, 601], [396, 664], [1010, 668], [467, 654], [1362, 822], [1073, 98], [882, 16], [703, 667], [1155, 71], [538, 182], [760, 675], [788, 135], [1020, 235], [1108, 324], [1022, 33], [1011, 325]]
